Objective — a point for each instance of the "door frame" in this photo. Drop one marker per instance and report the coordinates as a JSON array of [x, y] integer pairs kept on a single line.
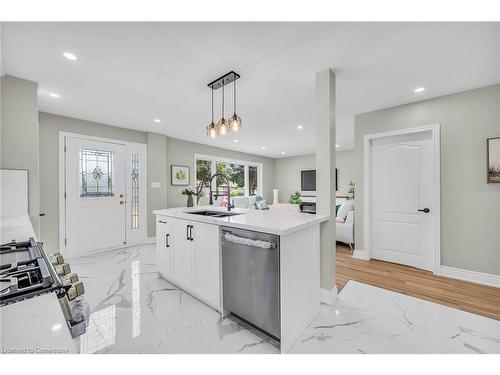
[[367, 182], [62, 183]]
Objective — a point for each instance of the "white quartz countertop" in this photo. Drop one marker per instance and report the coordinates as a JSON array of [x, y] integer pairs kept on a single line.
[[35, 325], [17, 228], [266, 221]]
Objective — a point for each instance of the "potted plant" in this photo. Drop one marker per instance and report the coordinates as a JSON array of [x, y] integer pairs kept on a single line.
[[189, 192], [295, 198]]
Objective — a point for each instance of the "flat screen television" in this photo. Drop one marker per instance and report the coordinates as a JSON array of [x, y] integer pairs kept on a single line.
[[308, 180]]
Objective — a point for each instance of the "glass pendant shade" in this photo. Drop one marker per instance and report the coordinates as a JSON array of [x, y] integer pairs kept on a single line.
[[235, 123], [223, 126], [212, 130]]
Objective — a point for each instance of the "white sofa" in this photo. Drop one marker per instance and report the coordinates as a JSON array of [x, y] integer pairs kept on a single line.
[[345, 223]]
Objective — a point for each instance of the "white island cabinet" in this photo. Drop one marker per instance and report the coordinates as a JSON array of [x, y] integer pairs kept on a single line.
[[190, 256]]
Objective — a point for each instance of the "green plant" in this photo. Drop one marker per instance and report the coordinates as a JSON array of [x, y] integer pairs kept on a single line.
[[189, 192], [295, 198]]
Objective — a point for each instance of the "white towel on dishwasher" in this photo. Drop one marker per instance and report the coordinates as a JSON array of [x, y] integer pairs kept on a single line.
[[247, 241]]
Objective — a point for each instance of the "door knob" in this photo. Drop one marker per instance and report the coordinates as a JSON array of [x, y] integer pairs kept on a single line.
[[426, 210], [122, 202], [121, 195]]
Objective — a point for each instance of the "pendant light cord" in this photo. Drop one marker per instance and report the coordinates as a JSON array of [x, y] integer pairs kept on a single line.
[[223, 101], [234, 95], [212, 104]]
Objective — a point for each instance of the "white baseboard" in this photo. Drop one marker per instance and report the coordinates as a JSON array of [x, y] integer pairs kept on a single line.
[[472, 276], [150, 240], [359, 254], [328, 296]]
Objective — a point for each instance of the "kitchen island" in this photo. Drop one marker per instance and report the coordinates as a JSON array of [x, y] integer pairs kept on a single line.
[[192, 251]]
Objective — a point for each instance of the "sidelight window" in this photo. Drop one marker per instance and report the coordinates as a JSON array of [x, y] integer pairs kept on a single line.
[[134, 174]]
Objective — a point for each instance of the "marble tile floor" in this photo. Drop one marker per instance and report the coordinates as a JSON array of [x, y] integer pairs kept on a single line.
[[135, 311]]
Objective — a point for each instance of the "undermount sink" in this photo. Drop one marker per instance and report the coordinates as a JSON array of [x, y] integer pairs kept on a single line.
[[214, 213]]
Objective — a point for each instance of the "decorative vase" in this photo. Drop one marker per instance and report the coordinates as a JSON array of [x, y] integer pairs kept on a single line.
[[190, 202], [275, 196]]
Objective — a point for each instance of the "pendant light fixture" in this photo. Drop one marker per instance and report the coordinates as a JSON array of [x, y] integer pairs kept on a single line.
[[223, 124], [234, 122], [212, 128]]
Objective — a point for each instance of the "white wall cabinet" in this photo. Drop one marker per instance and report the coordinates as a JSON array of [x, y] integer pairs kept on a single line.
[[189, 256]]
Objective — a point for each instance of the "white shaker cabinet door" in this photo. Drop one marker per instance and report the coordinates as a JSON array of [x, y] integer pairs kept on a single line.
[[163, 246], [206, 262], [181, 246]]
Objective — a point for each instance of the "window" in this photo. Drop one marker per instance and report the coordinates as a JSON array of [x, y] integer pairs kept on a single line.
[[96, 173], [236, 176], [252, 180], [244, 177], [134, 174]]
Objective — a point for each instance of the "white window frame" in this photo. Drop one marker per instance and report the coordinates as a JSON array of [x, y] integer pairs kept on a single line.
[[245, 163]]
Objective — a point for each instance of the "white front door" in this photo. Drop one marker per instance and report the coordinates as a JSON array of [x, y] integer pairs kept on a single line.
[[95, 195], [403, 207]]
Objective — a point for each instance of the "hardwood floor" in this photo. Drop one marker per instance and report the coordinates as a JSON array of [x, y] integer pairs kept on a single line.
[[475, 298]]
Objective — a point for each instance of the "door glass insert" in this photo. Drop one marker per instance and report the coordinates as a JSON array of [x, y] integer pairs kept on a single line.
[[96, 173], [135, 190]]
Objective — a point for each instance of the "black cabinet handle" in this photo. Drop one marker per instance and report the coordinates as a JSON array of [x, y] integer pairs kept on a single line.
[[187, 232], [426, 210], [167, 240], [191, 233], [163, 222]]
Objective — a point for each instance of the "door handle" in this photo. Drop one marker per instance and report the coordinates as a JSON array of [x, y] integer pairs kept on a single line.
[[426, 210], [167, 240]]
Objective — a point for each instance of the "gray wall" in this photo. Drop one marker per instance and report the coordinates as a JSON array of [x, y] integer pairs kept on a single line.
[[287, 172], [19, 136], [470, 207], [182, 153], [157, 172], [345, 163], [50, 125]]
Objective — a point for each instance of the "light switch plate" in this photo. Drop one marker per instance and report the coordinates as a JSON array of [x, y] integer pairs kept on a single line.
[[155, 185]]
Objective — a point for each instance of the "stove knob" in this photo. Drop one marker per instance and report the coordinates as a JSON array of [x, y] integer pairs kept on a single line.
[[62, 269], [75, 291], [69, 279], [56, 259]]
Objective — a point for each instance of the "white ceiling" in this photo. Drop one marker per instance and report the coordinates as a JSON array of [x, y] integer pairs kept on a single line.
[[127, 74]]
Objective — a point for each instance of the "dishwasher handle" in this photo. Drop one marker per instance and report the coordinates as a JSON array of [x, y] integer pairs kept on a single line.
[[249, 242]]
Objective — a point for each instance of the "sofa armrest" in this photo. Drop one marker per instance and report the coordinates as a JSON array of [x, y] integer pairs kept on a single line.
[[350, 217]]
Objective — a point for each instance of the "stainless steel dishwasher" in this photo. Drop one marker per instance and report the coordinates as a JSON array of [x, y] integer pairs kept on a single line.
[[251, 277]]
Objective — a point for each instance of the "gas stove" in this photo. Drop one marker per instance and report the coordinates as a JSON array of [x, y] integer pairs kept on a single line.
[[25, 272]]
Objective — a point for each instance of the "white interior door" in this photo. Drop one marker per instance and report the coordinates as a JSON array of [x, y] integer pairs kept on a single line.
[[403, 207], [95, 195]]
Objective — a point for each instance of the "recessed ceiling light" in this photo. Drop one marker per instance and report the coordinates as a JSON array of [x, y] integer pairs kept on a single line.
[[300, 127], [283, 152], [70, 56], [236, 140], [337, 145], [157, 120], [419, 89], [54, 95], [263, 147]]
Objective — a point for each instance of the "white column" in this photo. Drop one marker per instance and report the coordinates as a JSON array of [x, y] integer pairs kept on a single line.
[[325, 178]]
